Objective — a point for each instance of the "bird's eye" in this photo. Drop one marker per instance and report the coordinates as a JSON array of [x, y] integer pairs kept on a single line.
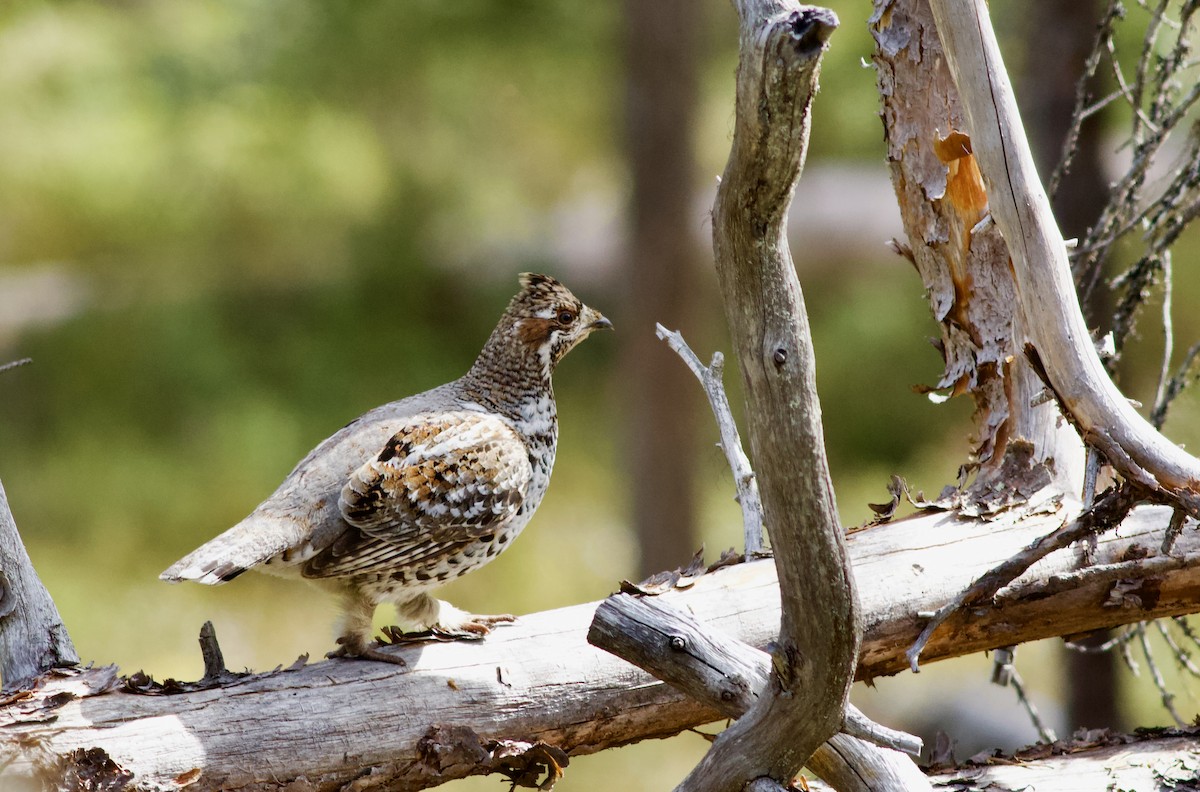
[[566, 317]]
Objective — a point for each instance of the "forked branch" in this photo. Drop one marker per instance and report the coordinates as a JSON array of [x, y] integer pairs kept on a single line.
[[731, 442]]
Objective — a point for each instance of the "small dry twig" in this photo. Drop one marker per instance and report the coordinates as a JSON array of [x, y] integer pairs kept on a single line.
[[731, 442]]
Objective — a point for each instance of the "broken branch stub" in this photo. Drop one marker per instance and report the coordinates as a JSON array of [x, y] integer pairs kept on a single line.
[[33, 639]]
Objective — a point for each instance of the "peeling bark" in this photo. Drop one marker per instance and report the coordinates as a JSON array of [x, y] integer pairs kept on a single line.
[[962, 259]]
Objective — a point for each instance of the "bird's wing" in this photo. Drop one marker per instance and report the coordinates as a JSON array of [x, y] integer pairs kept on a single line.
[[439, 482]]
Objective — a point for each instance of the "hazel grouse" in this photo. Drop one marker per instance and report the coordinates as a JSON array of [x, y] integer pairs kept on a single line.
[[420, 491]]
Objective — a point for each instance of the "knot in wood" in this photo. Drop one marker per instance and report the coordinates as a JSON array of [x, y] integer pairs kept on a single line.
[[810, 29], [677, 643]]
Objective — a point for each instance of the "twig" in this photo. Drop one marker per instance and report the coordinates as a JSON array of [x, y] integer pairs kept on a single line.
[[1164, 373], [1124, 637], [1174, 528], [711, 379], [1185, 627], [1045, 733], [1168, 698], [1136, 569], [1183, 375], [856, 724], [1127, 653], [1004, 674], [1082, 109], [1108, 511], [15, 364], [1182, 656]]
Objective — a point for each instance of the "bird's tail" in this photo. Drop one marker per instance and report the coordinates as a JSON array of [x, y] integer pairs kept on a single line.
[[251, 542]]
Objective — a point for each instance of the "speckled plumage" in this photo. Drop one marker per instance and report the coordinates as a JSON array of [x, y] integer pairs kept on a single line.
[[422, 490]]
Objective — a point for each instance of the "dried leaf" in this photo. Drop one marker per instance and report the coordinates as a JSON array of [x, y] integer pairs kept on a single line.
[[729, 557], [188, 777], [661, 582], [886, 511], [524, 763]]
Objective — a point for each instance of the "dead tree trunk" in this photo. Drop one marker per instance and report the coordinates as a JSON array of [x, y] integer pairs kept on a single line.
[[32, 636], [817, 648]]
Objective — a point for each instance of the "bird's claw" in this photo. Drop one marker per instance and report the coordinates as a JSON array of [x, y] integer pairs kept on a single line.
[[472, 629], [371, 651]]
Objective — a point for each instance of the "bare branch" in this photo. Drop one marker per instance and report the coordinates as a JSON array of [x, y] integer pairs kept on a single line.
[[781, 44], [14, 364], [711, 379], [1107, 512], [1005, 674], [1160, 684], [730, 676]]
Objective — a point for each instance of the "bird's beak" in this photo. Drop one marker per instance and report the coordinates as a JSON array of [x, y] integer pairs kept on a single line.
[[600, 323]]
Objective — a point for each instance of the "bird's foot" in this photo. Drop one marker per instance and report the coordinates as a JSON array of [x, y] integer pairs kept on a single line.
[[352, 648], [471, 628]]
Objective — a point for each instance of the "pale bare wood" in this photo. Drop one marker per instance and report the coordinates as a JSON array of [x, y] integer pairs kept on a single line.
[[332, 721], [32, 636], [1147, 763], [744, 481], [1045, 289]]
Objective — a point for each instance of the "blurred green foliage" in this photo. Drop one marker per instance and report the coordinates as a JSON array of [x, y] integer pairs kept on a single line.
[[281, 214]]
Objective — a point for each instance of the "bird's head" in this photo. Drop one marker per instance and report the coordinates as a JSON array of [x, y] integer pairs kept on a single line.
[[546, 318]]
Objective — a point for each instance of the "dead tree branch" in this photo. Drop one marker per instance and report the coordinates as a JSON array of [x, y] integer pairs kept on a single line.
[[1153, 759], [1045, 288], [731, 442], [539, 682], [730, 676], [1108, 512], [781, 43]]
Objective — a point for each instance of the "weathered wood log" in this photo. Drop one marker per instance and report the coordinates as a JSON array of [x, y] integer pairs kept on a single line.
[[729, 676], [781, 43], [1156, 760], [32, 636], [460, 707]]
